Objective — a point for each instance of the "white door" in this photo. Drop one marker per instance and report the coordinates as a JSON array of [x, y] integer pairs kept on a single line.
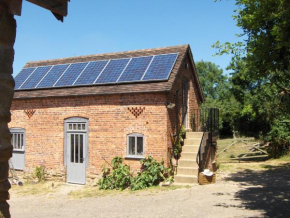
[[76, 166], [18, 143]]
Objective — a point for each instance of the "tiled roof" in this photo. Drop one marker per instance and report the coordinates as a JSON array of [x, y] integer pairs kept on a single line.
[[157, 86]]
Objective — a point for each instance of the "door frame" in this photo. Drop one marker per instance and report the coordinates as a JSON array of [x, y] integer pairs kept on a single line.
[[18, 153], [185, 88], [76, 120]]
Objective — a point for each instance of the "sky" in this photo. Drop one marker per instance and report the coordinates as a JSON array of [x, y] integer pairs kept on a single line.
[[98, 26]]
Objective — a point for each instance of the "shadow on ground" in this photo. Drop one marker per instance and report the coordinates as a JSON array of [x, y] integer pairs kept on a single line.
[[267, 191]]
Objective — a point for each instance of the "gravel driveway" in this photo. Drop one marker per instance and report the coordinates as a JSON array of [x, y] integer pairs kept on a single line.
[[243, 194]]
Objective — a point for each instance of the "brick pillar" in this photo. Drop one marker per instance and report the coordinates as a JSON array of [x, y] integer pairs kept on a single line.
[[7, 39]]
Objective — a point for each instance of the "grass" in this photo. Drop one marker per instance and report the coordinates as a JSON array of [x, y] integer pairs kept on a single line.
[[41, 188], [227, 165], [234, 150], [285, 158]]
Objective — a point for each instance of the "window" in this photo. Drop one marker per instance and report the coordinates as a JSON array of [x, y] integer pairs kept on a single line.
[[135, 145], [18, 139]]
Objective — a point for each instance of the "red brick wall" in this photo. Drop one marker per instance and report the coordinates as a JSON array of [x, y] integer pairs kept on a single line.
[[109, 123], [186, 72]]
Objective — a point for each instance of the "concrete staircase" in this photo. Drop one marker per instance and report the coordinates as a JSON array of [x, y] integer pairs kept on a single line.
[[187, 170]]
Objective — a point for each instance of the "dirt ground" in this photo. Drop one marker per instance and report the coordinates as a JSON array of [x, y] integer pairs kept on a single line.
[[257, 192]]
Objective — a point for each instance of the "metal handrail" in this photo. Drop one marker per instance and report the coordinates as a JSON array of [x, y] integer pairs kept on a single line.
[[199, 151], [209, 119]]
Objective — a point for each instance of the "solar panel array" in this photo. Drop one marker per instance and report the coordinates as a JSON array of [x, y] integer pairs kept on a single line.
[[123, 70]]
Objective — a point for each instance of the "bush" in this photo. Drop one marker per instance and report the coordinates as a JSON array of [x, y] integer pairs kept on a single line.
[[279, 136], [40, 173], [152, 173], [120, 178]]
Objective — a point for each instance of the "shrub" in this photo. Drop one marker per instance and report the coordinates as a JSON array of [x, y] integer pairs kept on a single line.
[[40, 173], [152, 173], [120, 178], [279, 136]]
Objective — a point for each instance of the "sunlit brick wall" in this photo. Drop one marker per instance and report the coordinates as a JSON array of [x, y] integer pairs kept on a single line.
[[109, 123]]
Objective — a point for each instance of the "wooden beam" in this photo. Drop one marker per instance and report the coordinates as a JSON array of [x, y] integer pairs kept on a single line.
[[56, 6], [14, 6]]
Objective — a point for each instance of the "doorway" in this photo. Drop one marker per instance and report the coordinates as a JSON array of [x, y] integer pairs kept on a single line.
[[76, 148]]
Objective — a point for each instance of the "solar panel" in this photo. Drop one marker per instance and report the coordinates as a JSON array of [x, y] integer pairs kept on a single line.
[[91, 72], [35, 77], [53, 75], [135, 69], [71, 74], [22, 76], [160, 67], [112, 71]]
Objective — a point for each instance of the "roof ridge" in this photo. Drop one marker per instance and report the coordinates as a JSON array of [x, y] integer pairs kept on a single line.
[[84, 57]]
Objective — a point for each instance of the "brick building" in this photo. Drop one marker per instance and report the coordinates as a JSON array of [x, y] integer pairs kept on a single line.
[[72, 115]]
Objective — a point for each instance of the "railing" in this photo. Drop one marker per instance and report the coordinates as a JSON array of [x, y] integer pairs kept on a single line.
[[205, 120]]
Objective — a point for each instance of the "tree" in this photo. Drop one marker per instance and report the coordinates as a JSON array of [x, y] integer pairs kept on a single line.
[[266, 46], [216, 88], [213, 82], [261, 66]]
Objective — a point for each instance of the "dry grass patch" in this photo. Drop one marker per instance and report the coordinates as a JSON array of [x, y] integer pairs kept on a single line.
[[41, 188], [237, 148], [227, 165]]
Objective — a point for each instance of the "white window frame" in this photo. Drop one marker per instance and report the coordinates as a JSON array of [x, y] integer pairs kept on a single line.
[[131, 155], [17, 131]]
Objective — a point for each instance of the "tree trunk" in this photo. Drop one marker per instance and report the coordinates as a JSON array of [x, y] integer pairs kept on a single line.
[[7, 39]]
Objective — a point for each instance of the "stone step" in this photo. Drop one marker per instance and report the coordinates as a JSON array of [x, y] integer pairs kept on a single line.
[[179, 178], [188, 155], [190, 148], [187, 171], [187, 163], [194, 141], [194, 135]]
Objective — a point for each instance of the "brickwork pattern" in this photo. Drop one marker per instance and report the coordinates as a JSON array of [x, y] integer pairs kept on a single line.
[[186, 72], [109, 123]]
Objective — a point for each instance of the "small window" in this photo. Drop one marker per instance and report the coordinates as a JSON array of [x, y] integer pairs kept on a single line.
[[135, 145], [18, 139]]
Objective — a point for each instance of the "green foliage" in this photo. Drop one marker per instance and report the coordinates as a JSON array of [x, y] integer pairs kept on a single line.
[[213, 82], [40, 173], [279, 135], [120, 178], [152, 173], [182, 132], [177, 150], [261, 70], [216, 88], [178, 142], [218, 165]]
